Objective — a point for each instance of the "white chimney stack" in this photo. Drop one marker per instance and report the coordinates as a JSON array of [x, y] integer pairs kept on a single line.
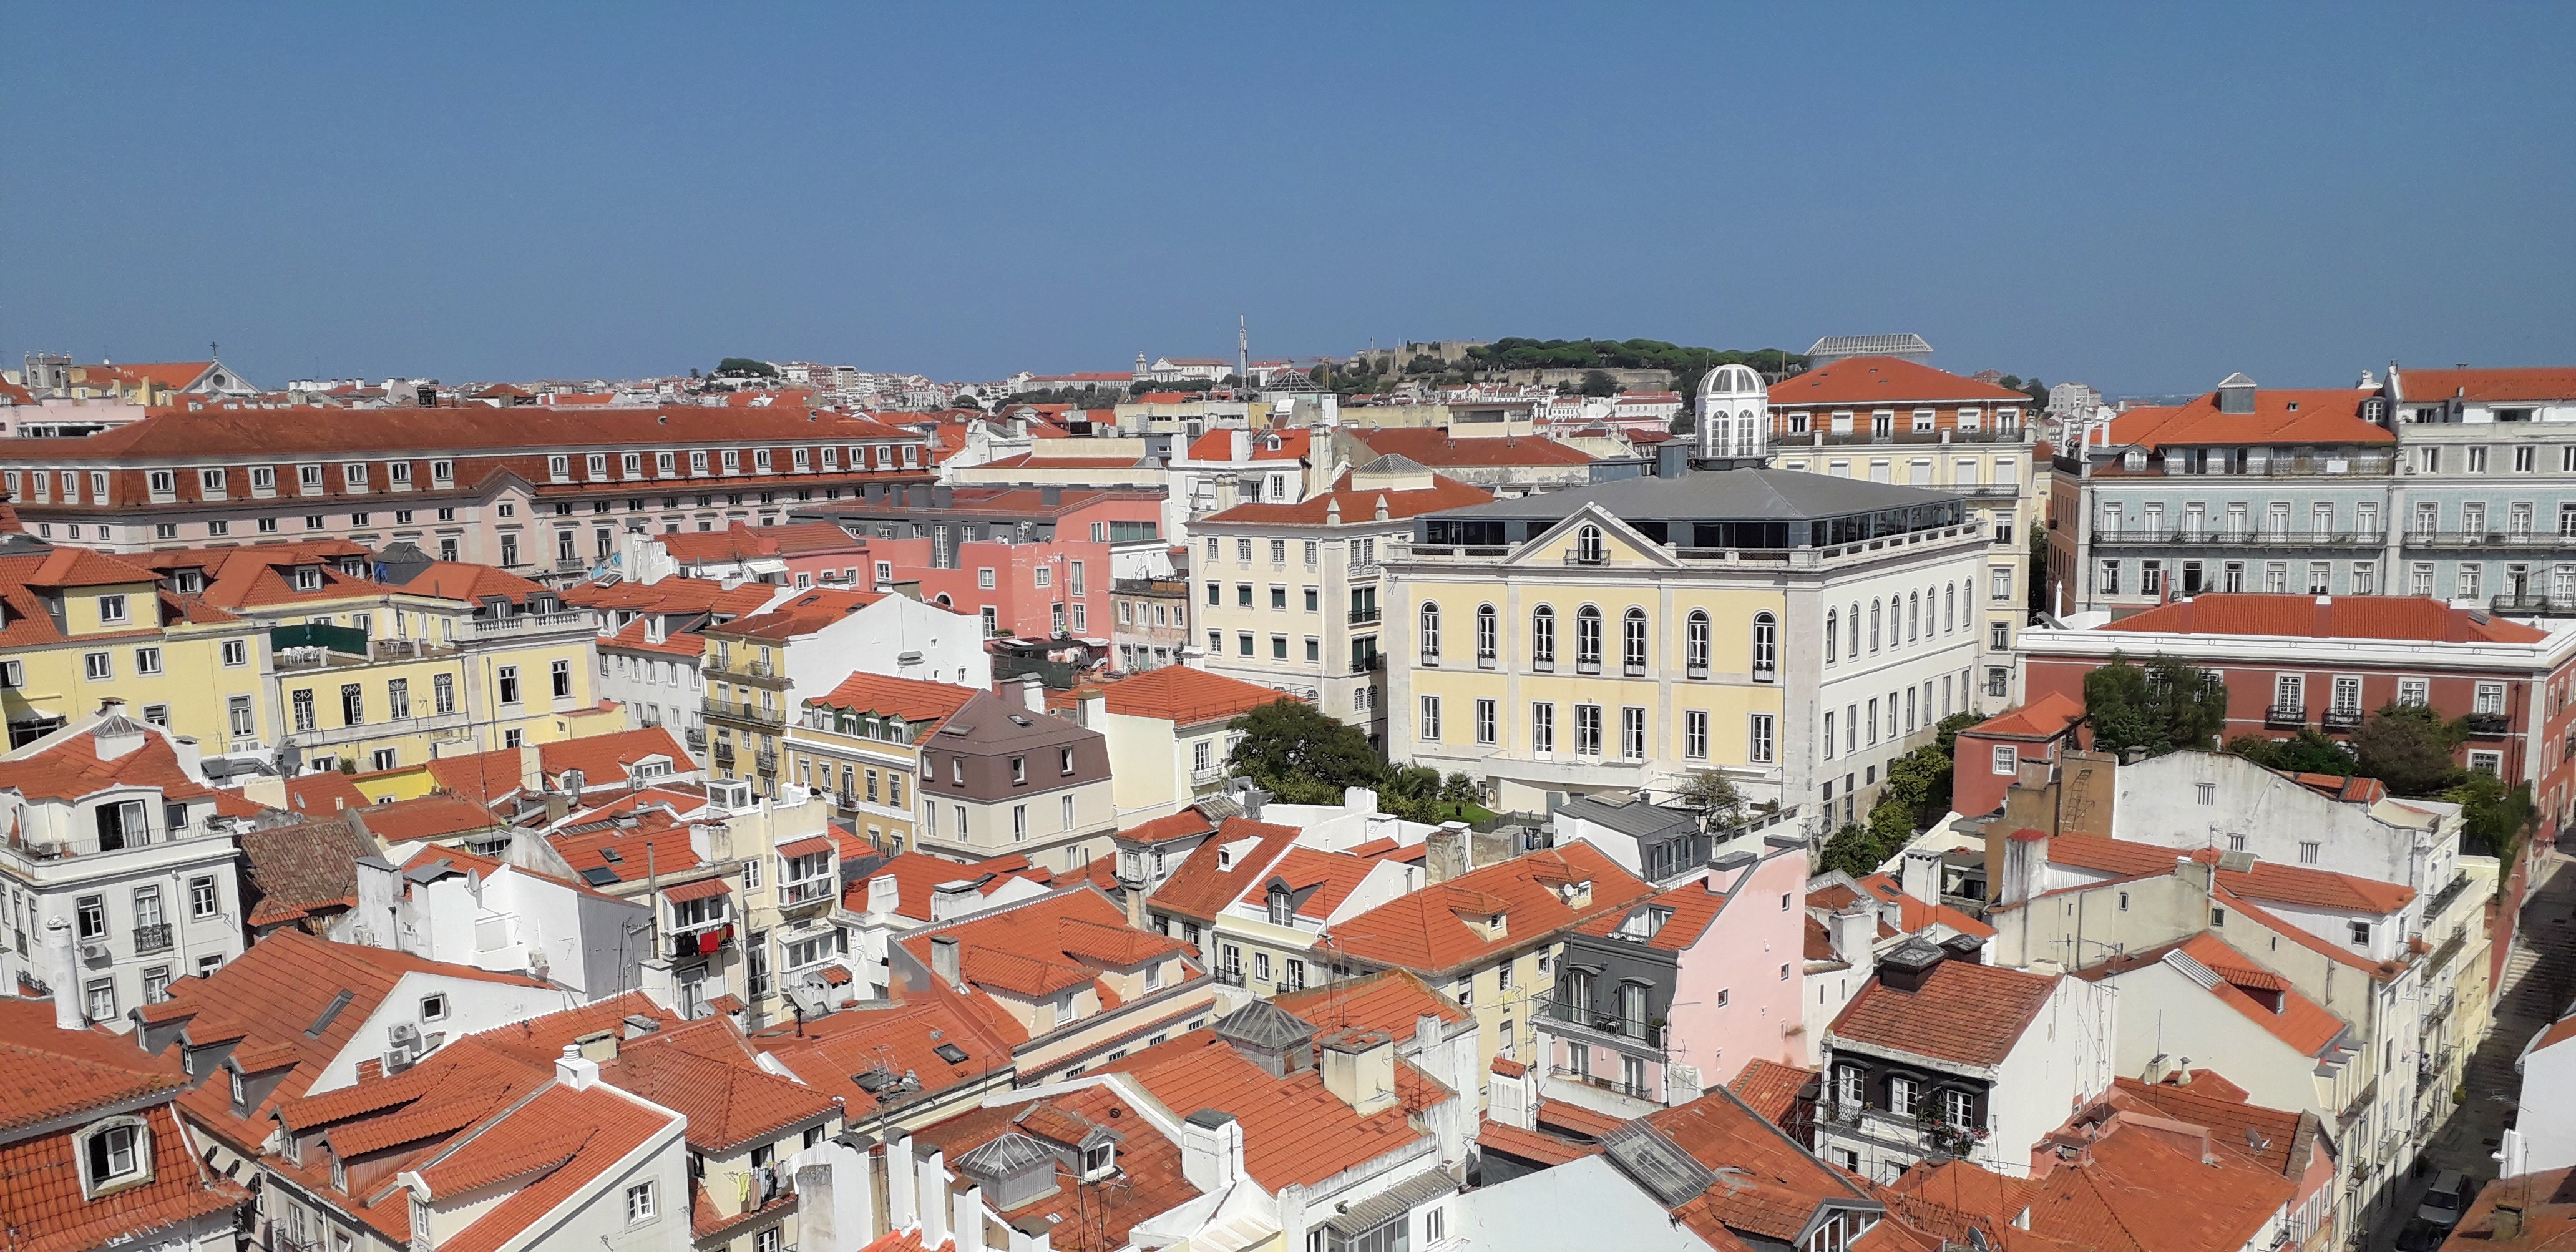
[[574, 1070], [1211, 1150], [64, 973]]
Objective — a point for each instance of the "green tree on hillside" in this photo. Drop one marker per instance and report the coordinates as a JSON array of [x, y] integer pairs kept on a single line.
[[745, 367], [1296, 752]]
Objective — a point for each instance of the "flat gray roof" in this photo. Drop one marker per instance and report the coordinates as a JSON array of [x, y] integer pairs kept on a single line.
[[1753, 495]]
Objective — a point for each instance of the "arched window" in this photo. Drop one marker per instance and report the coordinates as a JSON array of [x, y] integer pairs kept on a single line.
[[1695, 644], [1489, 631], [1833, 628], [1766, 648], [1587, 640], [1431, 633], [1588, 549], [1913, 616], [1873, 625], [1949, 609], [1632, 641], [1543, 638], [1851, 623]]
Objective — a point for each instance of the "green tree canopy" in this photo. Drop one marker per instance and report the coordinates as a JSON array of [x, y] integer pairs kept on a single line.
[[2409, 747], [1302, 755], [1714, 795], [1599, 383], [2492, 815], [2161, 707], [2308, 752], [745, 367]]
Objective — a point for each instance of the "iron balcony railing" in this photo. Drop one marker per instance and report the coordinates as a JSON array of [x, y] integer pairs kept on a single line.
[[152, 938], [2489, 723], [1363, 617], [1229, 975], [2528, 605], [2285, 716], [2165, 536], [1611, 1025]]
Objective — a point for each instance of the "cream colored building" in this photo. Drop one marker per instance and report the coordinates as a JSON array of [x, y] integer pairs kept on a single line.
[[1795, 631], [1290, 595]]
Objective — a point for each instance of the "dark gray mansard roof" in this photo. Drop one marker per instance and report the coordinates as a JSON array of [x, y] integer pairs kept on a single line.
[[1753, 495]]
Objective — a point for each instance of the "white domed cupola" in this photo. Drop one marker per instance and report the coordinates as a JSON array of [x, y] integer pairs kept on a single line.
[[1734, 413]]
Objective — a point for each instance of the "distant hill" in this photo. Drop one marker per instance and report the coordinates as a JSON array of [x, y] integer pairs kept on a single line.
[[1686, 364]]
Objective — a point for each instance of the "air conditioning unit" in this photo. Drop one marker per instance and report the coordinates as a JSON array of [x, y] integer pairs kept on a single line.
[[407, 1035], [95, 953]]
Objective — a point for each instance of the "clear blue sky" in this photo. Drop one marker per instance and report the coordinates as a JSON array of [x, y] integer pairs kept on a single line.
[[2142, 196]]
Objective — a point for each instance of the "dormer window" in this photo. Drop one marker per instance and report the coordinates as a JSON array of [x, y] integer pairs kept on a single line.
[[354, 473], [309, 477], [442, 471], [598, 465], [1283, 907], [559, 467], [114, 1154], [1099, 1160], [308, 578]]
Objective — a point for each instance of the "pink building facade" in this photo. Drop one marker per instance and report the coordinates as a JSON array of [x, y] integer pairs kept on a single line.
[[1033, 562], [1677, 995]]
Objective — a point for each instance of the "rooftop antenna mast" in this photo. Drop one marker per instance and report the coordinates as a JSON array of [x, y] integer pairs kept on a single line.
[[1242, 351]]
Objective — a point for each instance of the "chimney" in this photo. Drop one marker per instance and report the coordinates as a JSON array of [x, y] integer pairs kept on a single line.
[[1135, 900], [1922, 874], [955, 899], [574, 1070], [1359, 1068], [1446, 855], [532, 770], [1033, 693], [1906, 966], [932, 1181], [885, 895], [598, 1045], [379, 892], [1211, 1150], [943, 960], [2505, 1225], [1855, 932], [64, 974], [2198, 874], [2025, 866]]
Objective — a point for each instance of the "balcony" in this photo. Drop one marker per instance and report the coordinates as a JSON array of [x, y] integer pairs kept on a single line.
[[19, 846], [807, 891], [570, 618], [1229, 975], [846, 800], [288, 660], [698, 940], [769, 715], [724, 752], [765, 760], [2342, 719], [2526, 539], [1607, 1025], [2533, 606], [2489, 725], [696, 738], [2166, 536], [1576, 556], [1369, 664], [1856, 438], [151, 939], [2285, 717], [1364, 617]]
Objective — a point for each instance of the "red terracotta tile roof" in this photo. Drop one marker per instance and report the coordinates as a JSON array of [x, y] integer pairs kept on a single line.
[[1963, 1013], [924, 704], [1531, 1145], [2329, 417], [1294, 1131], [1885, 380], [1181, 695], [1216, 872], [71, 769], [53, 1073], [656, 845], [590, 1131], [44, 1211], [706, 1072], [1771, 1188], [287, 433], [1043, 946], [427, 817], [1693, 907], [1149, 1165], [1771, 1088], [1914, 915], [2410, 618], [323, 794], [2261, 996], [2267, 881], [917, 875], [1432, 446], [483, 777], [1218, 445], [2120, 1194], [292, 871], [1425, 932], [2222, 1108], [1331, 875], [902, 1037], [2044, 718], [607, 760], [471, 584], [81, 567], [800, 614], [1359, 505], [1389, 1000], [2488, 386]]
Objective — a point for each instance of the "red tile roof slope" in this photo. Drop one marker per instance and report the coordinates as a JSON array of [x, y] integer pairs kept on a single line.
[[706, 1072], [431, 816], [902, 1037], [1181, 695], [291, 432], [1771, 1088], [2267, 880], [1294, 1131], [44, 1211], [72, 768], [912, 699], [2044, 718], [2121, 1195], [1357, 505], [1913, 915], [53, 1073], [1694, 907], [1151, 1180], [1215, 875], [799, 615], [1389, 1000], [1424, 931], [323, 794], [1885, 380], [590, 1131], [1771, 1185], [916, 876], [2488, 386], [1966, 1014], [605, 760], [1218, 445], [2329, 417], [2412, 618]]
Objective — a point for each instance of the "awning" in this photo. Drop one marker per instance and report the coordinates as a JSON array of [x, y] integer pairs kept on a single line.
[[703, 888], [806, 847], [1392, 1203]]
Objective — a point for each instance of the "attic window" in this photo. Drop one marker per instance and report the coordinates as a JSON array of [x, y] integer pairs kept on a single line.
[[308, 578], [1020, 720], [951, 1053], [1098, 1160]]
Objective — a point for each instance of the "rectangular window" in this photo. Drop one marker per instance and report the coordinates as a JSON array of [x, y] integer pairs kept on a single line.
[[1487, 714], [1762, 739], [1430, 719], [1542, 727], [1695, 735], [561, 673], [1587, 729], [2007, 759], [509, 683], [147, 660], [1632, 733]]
